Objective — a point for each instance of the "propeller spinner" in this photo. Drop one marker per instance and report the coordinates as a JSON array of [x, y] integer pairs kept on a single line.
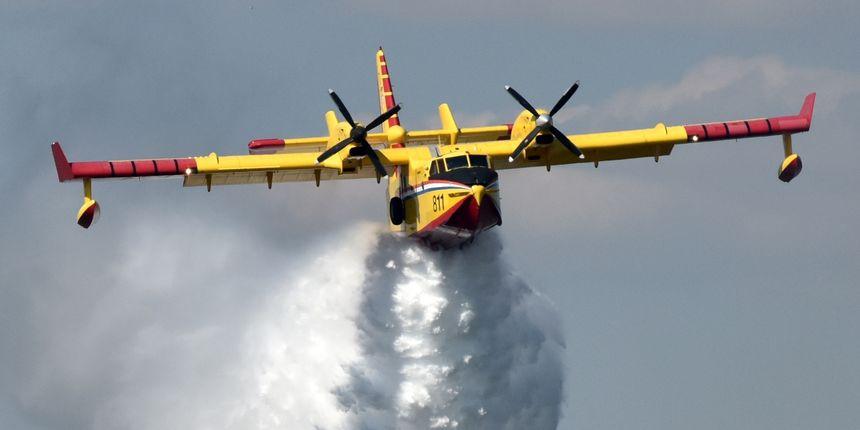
[[543, 122], [358, 135]]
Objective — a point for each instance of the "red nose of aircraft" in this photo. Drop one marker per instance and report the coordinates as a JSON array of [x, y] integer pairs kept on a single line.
[[477, 213]]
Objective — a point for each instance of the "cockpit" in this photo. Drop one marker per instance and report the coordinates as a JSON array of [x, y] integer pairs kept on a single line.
[[468, 169], [453, 162]]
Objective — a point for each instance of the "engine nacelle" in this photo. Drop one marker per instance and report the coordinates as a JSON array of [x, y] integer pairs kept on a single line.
[[790, 168]]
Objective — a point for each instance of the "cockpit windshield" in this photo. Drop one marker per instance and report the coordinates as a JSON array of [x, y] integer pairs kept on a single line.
[[442, 165], [457, 162], [479, 160]]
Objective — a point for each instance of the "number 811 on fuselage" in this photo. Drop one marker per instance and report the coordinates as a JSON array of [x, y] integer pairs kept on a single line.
[[450, 200]]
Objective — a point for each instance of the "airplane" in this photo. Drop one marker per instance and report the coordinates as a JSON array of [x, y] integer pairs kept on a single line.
[[443, 184]]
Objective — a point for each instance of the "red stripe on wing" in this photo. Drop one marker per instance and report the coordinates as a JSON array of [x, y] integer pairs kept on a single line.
[[754, 127]]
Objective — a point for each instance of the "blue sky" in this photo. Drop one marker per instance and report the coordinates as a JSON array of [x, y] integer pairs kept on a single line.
[[696, 292]]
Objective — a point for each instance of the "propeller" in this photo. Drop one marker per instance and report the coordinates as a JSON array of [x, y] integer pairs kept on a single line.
[[543, 122], [358, 135]]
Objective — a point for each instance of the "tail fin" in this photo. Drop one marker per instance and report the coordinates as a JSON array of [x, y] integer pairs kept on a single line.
[[386, 92]]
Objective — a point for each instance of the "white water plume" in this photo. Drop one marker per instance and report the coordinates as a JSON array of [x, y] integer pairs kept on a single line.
[[364, 330], [382, 333]]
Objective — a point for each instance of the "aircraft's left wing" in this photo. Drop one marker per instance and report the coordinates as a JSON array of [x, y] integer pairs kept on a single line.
[[228, 170], [214, 170]]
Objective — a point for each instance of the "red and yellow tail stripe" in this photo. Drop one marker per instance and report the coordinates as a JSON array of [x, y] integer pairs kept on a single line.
[[386, 92]]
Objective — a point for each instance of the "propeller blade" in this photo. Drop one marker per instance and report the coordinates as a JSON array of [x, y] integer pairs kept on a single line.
[[521, 100], [564, 98], [382, 118], [377, 163], [566, 142], [334, 149], [523, 144], [341, 107]]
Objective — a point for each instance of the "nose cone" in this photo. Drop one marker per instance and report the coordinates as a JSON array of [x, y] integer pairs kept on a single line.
[[476, 213], [543, 120], [478, 192]]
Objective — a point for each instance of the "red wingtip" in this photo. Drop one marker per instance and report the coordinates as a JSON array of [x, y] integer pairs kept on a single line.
[[808, 107], [64, 168]]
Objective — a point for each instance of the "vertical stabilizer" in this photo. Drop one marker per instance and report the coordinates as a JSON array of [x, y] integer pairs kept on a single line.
[[386, 92]]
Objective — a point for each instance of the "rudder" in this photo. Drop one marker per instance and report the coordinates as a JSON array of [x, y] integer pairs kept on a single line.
[[385, 90]]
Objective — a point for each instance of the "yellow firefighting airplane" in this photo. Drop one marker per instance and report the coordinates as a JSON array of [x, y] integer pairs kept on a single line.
[[442, 184]]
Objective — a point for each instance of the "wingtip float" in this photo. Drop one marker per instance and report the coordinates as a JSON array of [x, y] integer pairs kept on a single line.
[[443, 183]]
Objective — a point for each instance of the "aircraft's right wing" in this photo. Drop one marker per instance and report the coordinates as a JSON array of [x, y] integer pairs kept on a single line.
[[654, 142]]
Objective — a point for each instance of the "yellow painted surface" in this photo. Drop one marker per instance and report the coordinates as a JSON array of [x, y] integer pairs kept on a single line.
[[431, 204], [787, 161], [596, 147], [88, 198]]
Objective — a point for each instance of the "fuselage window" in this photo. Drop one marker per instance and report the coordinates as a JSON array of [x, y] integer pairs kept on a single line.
[[457, 162], [479, 161]]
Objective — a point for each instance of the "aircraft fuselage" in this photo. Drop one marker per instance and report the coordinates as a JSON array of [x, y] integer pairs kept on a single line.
[[449, 205]]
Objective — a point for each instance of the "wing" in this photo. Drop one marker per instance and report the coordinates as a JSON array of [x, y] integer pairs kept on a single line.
[[228, 170], [288, 167], [231, 170], [460, 136], [649, 142]]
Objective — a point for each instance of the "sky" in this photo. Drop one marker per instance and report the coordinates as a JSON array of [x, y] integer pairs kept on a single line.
[[699, 291]]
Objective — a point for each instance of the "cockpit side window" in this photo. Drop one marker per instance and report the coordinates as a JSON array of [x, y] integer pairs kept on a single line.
[[457, 162], [434, 167], [479, 160]]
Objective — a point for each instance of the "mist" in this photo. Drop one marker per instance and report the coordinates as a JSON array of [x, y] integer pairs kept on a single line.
[[365, 329], [392, 335]]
